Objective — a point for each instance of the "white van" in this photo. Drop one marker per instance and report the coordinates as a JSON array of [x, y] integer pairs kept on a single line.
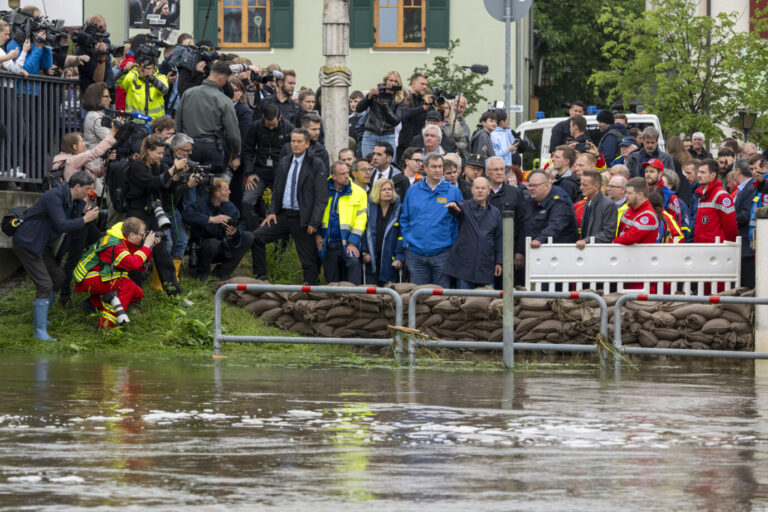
[[538, 132]]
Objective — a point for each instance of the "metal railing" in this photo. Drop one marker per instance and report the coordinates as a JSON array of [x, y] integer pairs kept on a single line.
[[498, 345], [219, 338], [714, 299], [36, 112]]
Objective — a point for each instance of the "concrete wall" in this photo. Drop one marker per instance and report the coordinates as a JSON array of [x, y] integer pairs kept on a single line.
[[482, 42]]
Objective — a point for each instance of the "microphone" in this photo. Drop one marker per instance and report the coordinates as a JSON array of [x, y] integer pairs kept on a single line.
[[480, 69]]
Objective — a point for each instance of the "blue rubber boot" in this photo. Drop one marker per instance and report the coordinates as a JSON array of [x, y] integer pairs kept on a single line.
[[41, 319], [51, 300]]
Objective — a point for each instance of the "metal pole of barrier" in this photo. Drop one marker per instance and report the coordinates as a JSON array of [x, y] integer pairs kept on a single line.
[[713, 299], [219, 338], [508, 321]]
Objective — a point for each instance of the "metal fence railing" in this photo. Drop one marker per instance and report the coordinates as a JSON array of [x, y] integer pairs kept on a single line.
[[219, 338], [35, 112], [714, 299]]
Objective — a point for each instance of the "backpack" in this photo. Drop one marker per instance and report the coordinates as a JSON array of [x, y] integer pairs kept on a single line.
[[54, 176], [15, 217], [117, 183]]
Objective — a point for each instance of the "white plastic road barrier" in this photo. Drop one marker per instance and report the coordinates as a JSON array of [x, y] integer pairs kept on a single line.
[[599, 266]]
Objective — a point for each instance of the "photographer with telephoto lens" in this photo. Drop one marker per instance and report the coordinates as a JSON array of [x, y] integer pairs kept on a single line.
[[386, 111], [146, 179]]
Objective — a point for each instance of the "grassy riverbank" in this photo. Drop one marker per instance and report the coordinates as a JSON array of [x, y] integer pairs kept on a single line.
[[162, 324]]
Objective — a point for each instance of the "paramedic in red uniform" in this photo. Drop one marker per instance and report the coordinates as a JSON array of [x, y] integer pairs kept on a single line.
[[639, 224], [716, 214]]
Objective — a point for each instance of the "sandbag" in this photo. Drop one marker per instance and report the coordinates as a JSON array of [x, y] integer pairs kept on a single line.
[[695, 321], [733, 316], [666, 334], [715, 325], [663, 319], [530, 304], [258, 307], [647, 339], [548, 326], [708, 311], [271, 315]]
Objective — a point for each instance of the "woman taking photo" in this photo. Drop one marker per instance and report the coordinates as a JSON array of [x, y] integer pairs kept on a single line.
[[386, 111], [383, 252], [146, 177], [95, 100]]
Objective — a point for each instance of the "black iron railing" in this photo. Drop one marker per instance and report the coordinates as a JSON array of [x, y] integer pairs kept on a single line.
[[35, 112]]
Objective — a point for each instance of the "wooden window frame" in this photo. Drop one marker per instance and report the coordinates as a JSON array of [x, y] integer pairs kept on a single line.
[[244, 27], [400, 16]]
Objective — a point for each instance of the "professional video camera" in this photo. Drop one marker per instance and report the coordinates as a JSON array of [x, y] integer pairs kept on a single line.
[[188, 56], [387, 92], [25, 26], [440, 95], [148, 49], [90, 35], [272, 75], [201, 173]]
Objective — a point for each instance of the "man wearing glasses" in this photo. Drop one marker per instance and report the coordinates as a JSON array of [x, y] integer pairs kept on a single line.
[[552, 216]]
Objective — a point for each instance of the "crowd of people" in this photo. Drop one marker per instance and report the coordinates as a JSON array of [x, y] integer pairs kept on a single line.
[[417, 196]]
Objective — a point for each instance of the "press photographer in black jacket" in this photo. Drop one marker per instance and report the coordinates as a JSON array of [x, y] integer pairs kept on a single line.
[[147, 176]]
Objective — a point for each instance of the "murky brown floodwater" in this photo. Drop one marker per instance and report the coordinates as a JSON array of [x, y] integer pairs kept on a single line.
[[138, 434]]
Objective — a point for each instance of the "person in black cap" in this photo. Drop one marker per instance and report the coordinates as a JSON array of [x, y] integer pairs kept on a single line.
[[613, 132], [206, 114], [447, 143], [473, 167], [628, 146]]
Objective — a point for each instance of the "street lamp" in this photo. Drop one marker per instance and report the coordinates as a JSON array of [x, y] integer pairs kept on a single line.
[[746, 121]]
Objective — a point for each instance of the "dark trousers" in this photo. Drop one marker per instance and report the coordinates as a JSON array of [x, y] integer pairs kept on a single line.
[[213, 250], [287, 224], [206, 151], [748, 272], [42, 270], [251, 214], [74, 244], [339, 266]]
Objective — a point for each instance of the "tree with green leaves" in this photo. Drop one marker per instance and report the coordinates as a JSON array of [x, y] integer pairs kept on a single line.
[[679, 65], [446, 74], [567, 44]]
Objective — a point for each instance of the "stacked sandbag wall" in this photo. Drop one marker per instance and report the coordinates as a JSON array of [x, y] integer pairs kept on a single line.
[[645, 324]]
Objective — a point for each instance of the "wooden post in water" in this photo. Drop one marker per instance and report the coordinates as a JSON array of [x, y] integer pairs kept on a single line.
[[508, 262]]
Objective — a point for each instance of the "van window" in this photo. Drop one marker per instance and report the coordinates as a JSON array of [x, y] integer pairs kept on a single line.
[[532, 156]]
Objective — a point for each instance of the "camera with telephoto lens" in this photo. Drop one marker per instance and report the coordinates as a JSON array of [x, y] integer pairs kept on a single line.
[[25, 26], [272, 75], [90, 35], [188, 56], [162, 219], [440, 95]]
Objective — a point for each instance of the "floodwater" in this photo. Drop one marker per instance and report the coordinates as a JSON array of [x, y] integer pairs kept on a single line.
[[195, 434]]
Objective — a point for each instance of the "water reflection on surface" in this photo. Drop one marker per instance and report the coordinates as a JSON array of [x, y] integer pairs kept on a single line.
[[137, 434]]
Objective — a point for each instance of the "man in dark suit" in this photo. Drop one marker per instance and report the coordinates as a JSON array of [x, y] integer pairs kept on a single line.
[[298, 201], [383, 153], [600, 213], [743, 202]]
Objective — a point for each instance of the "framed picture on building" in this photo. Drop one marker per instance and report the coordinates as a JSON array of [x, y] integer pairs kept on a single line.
[[153, 14]]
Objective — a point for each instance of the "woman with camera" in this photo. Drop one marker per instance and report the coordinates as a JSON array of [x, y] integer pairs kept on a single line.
[[386, 111], [147, 176]]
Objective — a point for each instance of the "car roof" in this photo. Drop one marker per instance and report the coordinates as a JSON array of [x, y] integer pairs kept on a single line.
[[591, 120]]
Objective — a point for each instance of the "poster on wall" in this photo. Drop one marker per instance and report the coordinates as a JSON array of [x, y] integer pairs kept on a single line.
[[154, 14]]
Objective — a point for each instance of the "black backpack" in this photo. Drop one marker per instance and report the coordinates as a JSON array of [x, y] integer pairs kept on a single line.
[[54, 177], [15, 217], [117, 183]]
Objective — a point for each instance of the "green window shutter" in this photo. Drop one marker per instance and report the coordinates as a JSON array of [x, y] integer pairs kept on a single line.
[[281, 24], [201, 8], [438, 17], [361, 23]]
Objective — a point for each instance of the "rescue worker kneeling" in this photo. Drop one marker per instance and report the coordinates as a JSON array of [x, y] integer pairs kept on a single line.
[[103, 270]]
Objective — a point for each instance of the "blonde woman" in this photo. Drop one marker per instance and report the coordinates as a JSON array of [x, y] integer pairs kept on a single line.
[[383, 252], [385, 106]]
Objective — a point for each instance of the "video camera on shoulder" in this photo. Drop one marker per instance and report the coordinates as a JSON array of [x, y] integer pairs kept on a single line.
[[25, 26], [188, 56], [90, 35], [440, 95], [148, 50]]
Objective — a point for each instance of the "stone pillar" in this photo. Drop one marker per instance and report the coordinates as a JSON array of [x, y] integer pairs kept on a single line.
[[335, 77]]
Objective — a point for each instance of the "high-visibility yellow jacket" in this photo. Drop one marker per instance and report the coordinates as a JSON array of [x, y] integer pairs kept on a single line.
[[351, 205], [144, 97]]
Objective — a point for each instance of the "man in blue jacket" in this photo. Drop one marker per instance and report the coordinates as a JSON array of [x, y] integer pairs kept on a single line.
[[59, 210], [613, 133], [428, 229], [214, 221]]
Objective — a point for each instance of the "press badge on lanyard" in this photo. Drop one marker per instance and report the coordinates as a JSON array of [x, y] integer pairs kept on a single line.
[[269, 162]]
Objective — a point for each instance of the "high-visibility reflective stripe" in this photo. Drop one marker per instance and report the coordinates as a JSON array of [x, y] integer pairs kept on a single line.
[[361, 212], [642, 227], [717, 206], [357, 232]]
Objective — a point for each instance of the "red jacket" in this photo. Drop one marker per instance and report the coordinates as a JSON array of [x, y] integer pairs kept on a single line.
[[715, 216], [125, 256], [638, 226]]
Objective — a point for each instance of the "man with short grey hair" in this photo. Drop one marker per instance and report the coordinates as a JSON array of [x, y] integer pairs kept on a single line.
[[433, 136], [697, 147], [650, 150]]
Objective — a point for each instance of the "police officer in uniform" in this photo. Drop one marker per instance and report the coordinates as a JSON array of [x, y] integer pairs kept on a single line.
[[552, 215]]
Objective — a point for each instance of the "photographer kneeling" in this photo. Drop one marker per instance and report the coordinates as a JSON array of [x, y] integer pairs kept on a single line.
[[146, 179], [214, 221], [57, 211], [103, 270]]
